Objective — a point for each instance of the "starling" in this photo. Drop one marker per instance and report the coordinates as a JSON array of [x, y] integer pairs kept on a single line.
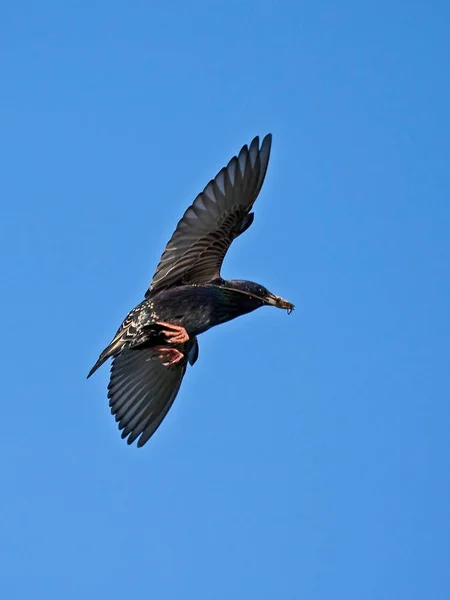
[[187, 296]]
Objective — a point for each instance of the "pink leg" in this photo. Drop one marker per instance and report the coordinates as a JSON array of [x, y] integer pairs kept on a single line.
[[169, 356], [174, 333]]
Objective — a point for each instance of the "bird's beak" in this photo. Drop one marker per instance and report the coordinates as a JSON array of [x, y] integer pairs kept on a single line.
[[279, 302]]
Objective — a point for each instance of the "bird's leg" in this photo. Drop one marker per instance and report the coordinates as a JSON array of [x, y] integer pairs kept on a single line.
[[169, 356], [174, 334]]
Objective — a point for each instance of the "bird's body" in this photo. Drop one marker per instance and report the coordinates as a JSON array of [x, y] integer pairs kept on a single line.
[[187, 297], [195, 308]]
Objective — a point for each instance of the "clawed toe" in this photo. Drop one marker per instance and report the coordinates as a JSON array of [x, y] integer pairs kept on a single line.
[[174, 334], [169, 356]]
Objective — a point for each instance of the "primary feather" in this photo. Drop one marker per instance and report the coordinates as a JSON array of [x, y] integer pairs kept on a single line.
[[217, 216]]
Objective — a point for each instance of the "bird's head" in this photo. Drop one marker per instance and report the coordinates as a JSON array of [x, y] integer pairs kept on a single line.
[[257, 291]]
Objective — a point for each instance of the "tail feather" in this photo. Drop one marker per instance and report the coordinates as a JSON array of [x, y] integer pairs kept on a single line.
[[123, 336], [97, 365], [112, 349], [107, 353]]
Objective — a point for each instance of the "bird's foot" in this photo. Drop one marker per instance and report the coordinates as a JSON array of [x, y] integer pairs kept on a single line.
[[174, 334], [169, 356]]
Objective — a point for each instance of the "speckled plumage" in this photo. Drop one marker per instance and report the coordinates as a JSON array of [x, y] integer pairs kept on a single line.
[[186, 297]]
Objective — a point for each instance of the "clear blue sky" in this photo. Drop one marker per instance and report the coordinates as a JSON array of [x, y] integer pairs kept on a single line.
[[306, 457]]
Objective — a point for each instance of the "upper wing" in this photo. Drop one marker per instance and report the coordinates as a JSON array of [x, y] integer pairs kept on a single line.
[[217, 216], [142, 390]]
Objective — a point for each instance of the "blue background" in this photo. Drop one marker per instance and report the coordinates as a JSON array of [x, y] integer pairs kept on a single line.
[[306, 457]]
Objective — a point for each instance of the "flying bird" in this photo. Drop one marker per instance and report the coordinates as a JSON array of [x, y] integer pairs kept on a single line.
[[187, 296]]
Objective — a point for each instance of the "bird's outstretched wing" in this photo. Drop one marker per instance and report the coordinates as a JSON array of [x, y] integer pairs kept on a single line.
[[142, 390], [217, 216]]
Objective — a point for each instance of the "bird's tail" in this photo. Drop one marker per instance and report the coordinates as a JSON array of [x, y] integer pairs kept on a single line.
[[112, 349], [98, 364]]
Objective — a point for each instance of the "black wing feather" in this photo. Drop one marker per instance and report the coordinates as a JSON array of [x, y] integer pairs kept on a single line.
[[196, 250], [142, 390]]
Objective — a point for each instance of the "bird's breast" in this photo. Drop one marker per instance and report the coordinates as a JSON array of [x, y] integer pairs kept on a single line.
[[197, 308]]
